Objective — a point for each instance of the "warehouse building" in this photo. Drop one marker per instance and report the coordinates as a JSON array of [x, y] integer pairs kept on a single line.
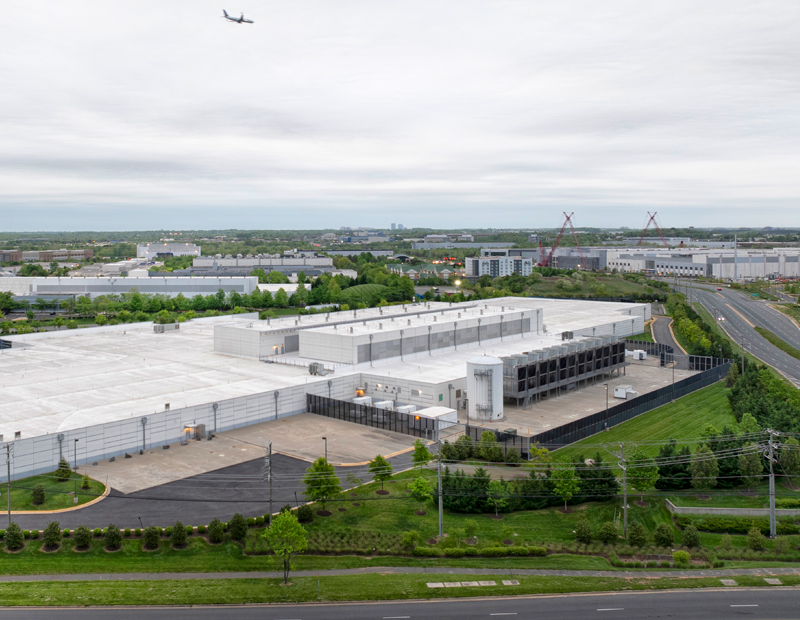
[[94, 287], [154, 251]]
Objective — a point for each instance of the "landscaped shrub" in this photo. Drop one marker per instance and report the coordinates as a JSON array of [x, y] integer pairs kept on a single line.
[[201, 529], [719, 564], [97, 532], [736, 525], [168, 531], [63, 473], [787, 502], [26, 534], [37, 495], [494, 552], [608, 533], [410, 538], [538, 551], [178, 535], [85, 483], [637, 535], [14, 536], [216, 531], [52, 534], [65, 534], [286, 508], [512, 456], [259, 521], [691, 538], [137, 532], [652, 564], [83, 537], [427, 552], [189, 530], [756, 540], [152, 536], [470, 551], [454, 553], [34, 534], [251, 522], [237, 527], [2, 533], [681, 557], [113, 537], [583, 532], [127, 532], [664, 564], [305, 514], [664, 536]]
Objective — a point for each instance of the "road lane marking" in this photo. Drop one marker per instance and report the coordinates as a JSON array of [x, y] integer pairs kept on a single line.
[[394, 617], [740, 315], [505, 613], [612, 609], [744, 605]]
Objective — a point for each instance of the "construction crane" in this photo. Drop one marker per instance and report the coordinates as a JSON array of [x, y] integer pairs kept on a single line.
[[644, 232], [567, 220]]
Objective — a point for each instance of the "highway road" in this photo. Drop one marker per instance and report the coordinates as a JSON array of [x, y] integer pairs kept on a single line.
[[740, 315], [763, 603]]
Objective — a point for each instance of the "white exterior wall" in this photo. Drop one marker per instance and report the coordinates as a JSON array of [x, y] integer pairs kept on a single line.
[[151, 250], [478, 388], [94, 287], [299, 263]]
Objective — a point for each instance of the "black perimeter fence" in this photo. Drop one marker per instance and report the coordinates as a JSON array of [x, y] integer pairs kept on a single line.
[[554, 438]]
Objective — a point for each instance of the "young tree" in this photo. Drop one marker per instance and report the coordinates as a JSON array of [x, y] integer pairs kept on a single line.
[[637, 535], [490, 450], [790, 457], [583, 533], [216, 531], [63, 473], [750, 464], [642, 472], [608, 533], [464, 447], [381, 469], [113, 537], [497, 495], [704, 469], [178, 538], [286, 537], [471, 527], [566, 482], [321, 481], [281, 298], [748, 424], [664, 536], [691, 537], [237, 526], [422, 455], [37, 495], [51, 536], [82, 536], [152, 537], [458, 534], [755, 539], [14, 537], [421, 491]]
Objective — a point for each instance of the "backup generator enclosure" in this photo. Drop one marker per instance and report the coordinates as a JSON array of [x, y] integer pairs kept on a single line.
[[621, 391], [485, 388], [363, 400]]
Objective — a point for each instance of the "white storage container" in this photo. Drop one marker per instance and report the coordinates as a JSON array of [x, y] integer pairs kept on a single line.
[[406, 409], [384, 404], [621, 391]]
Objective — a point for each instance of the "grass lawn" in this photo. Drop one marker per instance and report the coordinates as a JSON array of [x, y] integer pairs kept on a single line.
[[646, 336], [735, 498], [57, 494], [778, 342], [790, 310], [381, 587], [684, 418]]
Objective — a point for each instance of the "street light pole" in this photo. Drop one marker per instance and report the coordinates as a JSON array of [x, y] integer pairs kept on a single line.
[[325, 439], [75, 461], [606, 384]]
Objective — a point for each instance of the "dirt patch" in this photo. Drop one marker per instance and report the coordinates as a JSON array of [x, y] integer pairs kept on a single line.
[[432, 541], [566, 511], [471, 541], [508, 542], [420, 513], [107, 550], [179, 547], [342, 509], [381, 492], [356, 504], [353, 494], [47, 549], [7, 550], [324, 513], [81, 549], [641, 504]]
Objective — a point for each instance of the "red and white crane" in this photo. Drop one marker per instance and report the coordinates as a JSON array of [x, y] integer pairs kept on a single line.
[[653, 220], [545, 261]]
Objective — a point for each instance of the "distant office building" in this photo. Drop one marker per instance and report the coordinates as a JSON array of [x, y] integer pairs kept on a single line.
[[152, 251], [394, 226], [450, 238], [48, 256], [497, 263], [400, 227]]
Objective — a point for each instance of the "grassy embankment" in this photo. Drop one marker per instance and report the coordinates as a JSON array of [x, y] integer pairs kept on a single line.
[[774, 340], [381, 587]]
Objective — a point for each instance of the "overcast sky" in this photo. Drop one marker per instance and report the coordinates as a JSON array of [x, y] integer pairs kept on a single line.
[[141, 115]]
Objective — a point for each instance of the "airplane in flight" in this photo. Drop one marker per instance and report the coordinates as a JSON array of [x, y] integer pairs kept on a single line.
[[238, 20]]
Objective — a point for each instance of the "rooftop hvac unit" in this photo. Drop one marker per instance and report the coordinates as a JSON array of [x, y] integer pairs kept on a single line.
[[384, 404], [316, 368], [406, 409], [363, 400], [567, 336]]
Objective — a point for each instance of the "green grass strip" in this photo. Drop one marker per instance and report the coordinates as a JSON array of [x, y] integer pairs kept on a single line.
[[373, 587], [778, 342]]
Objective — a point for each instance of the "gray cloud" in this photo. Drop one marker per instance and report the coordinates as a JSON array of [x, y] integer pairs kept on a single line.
[[492, 114]]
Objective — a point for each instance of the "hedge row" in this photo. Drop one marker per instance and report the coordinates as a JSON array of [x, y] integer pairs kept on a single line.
[[735, 525], [486, 552]]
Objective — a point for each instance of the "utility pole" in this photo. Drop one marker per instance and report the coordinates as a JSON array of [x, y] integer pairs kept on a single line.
[[9, 451], [742, 354], [439, 473], [770, 454], [623, 466], [267, 472]]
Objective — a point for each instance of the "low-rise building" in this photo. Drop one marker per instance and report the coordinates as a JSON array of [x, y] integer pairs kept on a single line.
[[151, 251], [497, 263]]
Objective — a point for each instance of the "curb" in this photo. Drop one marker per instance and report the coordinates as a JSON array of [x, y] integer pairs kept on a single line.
[[99, 498]]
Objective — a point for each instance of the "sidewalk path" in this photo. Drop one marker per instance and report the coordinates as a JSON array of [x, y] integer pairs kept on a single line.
[[405, 570]]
